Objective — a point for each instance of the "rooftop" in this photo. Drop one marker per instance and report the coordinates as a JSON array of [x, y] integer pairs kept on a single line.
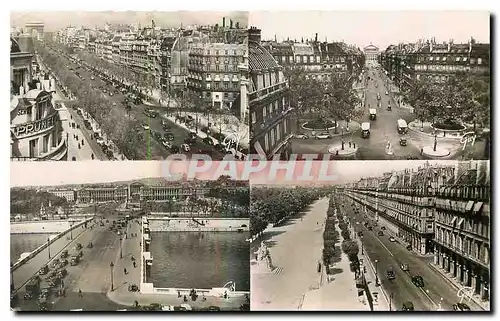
[[259, 58]]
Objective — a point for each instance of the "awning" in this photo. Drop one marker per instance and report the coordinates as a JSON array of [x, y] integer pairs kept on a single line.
[[478, 207], [453, 220], [460, 222], [469, 205]]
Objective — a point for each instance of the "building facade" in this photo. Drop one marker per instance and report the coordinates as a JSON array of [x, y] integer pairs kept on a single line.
[[406, 63], [371, 53], [69, 195], [36, 129], [443, 210], [270, 124], [35, 29]]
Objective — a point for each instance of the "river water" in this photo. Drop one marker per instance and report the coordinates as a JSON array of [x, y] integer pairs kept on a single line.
[[200, 260], [21, 243]]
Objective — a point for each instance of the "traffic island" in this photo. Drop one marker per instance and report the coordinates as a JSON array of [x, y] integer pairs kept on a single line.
[[429, 152], [348, 151]]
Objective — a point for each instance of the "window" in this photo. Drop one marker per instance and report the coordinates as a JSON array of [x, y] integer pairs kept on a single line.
[[216, 52], [457, 59], [225, 94], [264, 113], [225, 85], [266, 142], [226, 68], [479, 61], [226, 52]]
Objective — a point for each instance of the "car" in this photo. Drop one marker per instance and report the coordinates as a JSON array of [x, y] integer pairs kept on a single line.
[[408, 247], [391, 275], [382, 228], [166, 143], [100, 141], [418, 281], [169, 136], [114, 103], [405, 267], [145, 126], [370, 228], [110, 93], [386, 92], [175, 149], [92, 78], [323, 135], [408, 306], [301, 136], [208, 140], [461, 307], [380, 233], [392, 239], [185, 147]]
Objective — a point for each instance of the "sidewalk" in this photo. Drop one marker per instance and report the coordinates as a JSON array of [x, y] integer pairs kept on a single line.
[[427, 130], [476, 298]]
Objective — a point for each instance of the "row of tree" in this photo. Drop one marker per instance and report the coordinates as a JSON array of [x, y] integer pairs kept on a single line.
[[29, 201], [123, 131], [330, 98], [464, 97], [270, 205], [331, 253]]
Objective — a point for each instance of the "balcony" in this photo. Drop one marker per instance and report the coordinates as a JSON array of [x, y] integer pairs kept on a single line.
[[264, 93], [261, 126], [57, 153], [469, 256]]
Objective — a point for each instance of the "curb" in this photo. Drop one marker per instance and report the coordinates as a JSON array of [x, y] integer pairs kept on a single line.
[[384, 294], [447, 279]]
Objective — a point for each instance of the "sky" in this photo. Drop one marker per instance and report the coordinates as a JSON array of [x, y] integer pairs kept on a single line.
[[55, 20], [381, 28]]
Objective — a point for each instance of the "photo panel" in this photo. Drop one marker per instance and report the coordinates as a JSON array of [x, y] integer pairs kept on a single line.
[[370, 85], [384, 236], [123, 236], [128, 85]]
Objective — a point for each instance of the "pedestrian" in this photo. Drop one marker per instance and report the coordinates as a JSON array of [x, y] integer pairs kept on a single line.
[[134, 264], [178, 293], [125, 271], [350, 144], [80, 294], [353, 145], [421, 151]]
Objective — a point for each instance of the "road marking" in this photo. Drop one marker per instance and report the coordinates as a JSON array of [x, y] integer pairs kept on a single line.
[[384, 246], [428, 297]]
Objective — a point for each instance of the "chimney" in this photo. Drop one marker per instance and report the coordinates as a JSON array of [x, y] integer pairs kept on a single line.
[[223, 22], [449, 46], [430, 46], [316, 37], [254, 34], [230, 24]]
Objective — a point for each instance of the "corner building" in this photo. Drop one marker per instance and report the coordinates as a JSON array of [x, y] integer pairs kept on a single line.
[[270, 128]]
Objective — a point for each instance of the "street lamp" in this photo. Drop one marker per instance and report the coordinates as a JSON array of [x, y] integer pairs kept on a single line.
[[11, 277], [342, 128], [71, 230], [121, 254], [435, 140], [48, 245], [376, 273], [111, 265], [362, 247]]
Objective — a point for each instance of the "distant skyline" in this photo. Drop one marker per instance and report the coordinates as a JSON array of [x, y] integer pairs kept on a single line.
[[381, 28], [55, 20]]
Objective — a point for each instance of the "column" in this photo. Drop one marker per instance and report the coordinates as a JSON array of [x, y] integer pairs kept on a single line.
[[459, 272], [466, 277], [482, 290], [443, 259], [39, 146], [436, 254], [452, 268], [474, 282]]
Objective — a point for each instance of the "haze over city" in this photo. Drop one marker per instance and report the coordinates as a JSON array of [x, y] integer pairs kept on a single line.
[[60, 19], [381, 28]]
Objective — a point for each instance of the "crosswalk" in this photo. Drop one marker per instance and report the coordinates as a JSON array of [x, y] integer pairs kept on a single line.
[[278, 270]]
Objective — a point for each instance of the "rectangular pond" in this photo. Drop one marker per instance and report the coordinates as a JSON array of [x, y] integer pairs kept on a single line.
[[201, 260]]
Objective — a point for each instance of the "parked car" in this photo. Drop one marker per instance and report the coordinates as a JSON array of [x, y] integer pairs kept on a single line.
[[324, 135], [405, 267], [386, 92], [175, 149], [391, 275], [169, 136], [166, 143], [301, 136], [382, 228], [408, 306], [418, 281], [380, 233], [145, 126], [185, 147], [208, 140], [392, 239], [461, 307]]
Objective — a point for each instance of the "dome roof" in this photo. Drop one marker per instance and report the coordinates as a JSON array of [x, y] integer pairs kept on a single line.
[[14, 46]]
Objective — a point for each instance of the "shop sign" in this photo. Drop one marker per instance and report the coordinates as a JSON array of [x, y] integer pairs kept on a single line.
[[36, 126]]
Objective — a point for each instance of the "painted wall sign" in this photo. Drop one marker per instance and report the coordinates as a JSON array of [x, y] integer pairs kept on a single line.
[[36, 126]]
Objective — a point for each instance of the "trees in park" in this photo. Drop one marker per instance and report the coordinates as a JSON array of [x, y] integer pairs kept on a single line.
[[29, 201], [273, 205], [331, 97], [464, 97]]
